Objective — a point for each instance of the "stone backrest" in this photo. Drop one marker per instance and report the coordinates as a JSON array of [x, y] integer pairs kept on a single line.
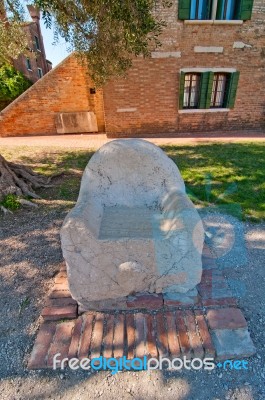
[[129, 173]]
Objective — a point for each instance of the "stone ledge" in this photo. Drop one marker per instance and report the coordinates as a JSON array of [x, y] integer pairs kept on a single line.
[[212, 22], [166, 54], [208, 110], [208, 49]]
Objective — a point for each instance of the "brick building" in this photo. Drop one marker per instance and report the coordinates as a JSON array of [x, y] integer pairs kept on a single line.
[[208, 76], [33, 65]]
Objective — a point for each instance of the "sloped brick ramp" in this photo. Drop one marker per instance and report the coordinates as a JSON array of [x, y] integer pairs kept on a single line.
[[209, 326]]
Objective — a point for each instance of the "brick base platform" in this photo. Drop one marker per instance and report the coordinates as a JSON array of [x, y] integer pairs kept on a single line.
[[208, 324]]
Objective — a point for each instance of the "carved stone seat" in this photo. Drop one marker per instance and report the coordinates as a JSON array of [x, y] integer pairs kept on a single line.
[[133, 228]]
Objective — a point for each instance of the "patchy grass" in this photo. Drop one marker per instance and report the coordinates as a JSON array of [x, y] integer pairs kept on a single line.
[[10, 202], [216, 173], [224, 174]]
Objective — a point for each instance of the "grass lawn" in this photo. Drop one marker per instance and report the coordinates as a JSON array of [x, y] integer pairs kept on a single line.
[[214, 173]]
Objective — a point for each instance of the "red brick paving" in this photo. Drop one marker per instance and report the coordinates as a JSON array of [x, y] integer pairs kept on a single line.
[[76, 334], [151, 348], [56, 313], [226, 318], [97, 336], [130, 332], [168, 333], [85, 339], [207, 344], [195, 340], [162, 328], [108, 338], [183, 334], [173, 341], [38, 358], [140, 330], [118, 339], [162, 338], [229, 301], [61, 341], [148, 301], [57, 294]]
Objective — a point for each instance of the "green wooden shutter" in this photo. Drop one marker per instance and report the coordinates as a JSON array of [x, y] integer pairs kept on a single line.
[[184, 9], [219, 9], [181, 89], [245, 9], [209, 90], [206, 89], [232, 89]]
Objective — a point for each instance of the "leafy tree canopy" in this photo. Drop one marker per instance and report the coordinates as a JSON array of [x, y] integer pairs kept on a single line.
[[12, 83], [107, 33]]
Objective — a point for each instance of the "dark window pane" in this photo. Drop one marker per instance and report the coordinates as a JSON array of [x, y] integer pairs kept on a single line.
[[28, 63], [37, 44], [228, 9], [198, 9]]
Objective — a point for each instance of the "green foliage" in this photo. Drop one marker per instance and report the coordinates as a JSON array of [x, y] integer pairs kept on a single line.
[[106, 33], [11, 202], [24, 304], [13, 38], [12, 83]]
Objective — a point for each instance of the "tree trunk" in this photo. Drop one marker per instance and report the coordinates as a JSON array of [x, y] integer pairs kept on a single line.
[[19, 180]]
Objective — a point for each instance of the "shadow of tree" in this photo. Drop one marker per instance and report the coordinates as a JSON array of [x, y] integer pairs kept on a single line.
[[30, 256]]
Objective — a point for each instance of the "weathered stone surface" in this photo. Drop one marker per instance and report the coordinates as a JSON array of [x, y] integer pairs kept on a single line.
[[76, 122], [133, 228], [233, 343]]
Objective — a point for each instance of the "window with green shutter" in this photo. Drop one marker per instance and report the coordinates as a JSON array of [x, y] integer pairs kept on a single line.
[[184, 9], [207, 90], [232, 90], [244, 11], [181, 89], [189, 93], [226, 9]]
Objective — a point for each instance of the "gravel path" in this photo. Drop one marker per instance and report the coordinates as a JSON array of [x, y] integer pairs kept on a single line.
[[30, 256], [95, 141]]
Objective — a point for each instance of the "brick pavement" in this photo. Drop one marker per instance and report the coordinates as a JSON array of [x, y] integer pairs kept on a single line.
[[151, 325]]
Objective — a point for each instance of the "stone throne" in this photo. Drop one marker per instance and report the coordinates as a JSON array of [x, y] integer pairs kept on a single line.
[[133, 229]]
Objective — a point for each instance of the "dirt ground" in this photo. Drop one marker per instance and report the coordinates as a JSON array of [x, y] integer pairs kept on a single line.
[[94, 141], [30, 257]]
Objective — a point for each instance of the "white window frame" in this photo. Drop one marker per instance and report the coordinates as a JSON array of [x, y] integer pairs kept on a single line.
[[213, 19], [28, 63], [40, 70], [207, 110]]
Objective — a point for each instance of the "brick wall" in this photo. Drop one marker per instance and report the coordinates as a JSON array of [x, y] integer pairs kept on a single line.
[[64, 89], [146, 101], [37, 58]]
